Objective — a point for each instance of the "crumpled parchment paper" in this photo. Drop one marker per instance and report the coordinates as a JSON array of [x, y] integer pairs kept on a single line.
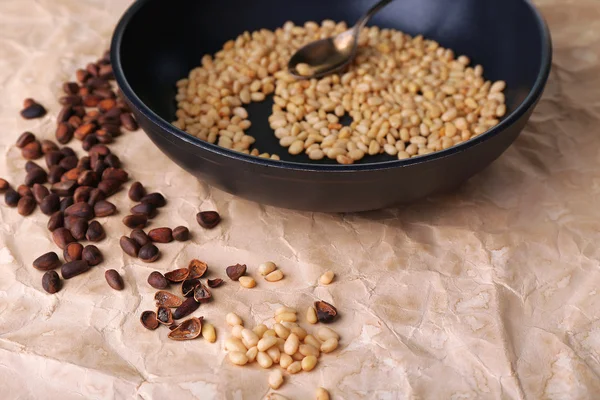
[[487, 293]]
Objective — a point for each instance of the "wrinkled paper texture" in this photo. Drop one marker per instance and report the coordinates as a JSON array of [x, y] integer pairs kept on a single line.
[[490, 292]]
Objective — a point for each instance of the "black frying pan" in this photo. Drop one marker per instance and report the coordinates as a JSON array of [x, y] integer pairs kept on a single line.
[[157, 42]]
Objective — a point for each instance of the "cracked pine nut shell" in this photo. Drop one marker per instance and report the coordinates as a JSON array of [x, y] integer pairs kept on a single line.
[[238, 358], [209, 333], [266, 268], [326, 278], [167, 299], [322, 394], [187, 330], [247, 282], [233, 319], [197, 269], [275, 379], [234, 272], [325, 312], [274, 276], [148, 320]]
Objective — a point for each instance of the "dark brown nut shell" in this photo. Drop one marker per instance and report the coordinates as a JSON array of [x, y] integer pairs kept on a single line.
[[56, 221], [108, 186], [84, 164], [87, 178], [114, 280], [325, 312], [214, 283], [148, 253], [69, 162], [24, 191], [92, 255], [66, 202], [55, 173], [85, 129], [36, 176], [32, 151], [140, 237], [24, 139], [39, 192], [144, 209], [156, 199], [197, 269], [68, 151], [64, 130], [62, 237], [73, 252], [178, 275], [71, 175], [47, 262], [53, 158], [112, 161], [74, 268], [104, 208], [164, 315], [50, 204], [89, 142], [167, 299], [100, 149], [11, 197], [135, 221], [188, 286], [32, 165], [202, 294], [63, 116], [26, 205], [148, 320], [117, 174], [129, 122], [96, 195], [157, 280], [80, 210], [136, 191], [187, 330], [208, 219], [161, 235], [51, 282], [129, 246], [33, 110], [174, 325], [95, 232], [186, 308], [64, 188], [77, 226], [4, 185], [234, 272], [82, 194], [70, 87], [181, 233]]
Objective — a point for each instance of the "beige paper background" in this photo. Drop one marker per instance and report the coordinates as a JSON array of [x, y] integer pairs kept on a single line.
[[487, 293]]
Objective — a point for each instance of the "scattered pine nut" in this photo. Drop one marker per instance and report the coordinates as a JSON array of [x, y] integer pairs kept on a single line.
[[260, 330], [266, 268], [208, 333], [236, 331], [264, 360], [311, 315], [297, 356], [247, 282], [325, 333], [309, 350], [285, 360], [252, 353], [274, 276], [304, 69], [275, 379], [238, 358], [322, 394], [284, 309], [291, 344], [309, 363], [235, 344], [274, 353], [289, 317], [313, 341], [301, 333], [233, 319], [294, 367], [250, 337], [326, 278], [329, 345], [266, 342], [281, 331], [269, 332]]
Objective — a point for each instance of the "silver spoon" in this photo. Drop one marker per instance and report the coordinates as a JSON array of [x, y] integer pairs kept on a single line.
[[325, 56]]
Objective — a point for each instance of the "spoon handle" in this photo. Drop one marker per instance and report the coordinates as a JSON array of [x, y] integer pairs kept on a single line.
[[372, 11]]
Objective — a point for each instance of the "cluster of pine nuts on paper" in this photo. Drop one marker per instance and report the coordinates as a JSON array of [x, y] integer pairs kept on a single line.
[[407, 96]]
